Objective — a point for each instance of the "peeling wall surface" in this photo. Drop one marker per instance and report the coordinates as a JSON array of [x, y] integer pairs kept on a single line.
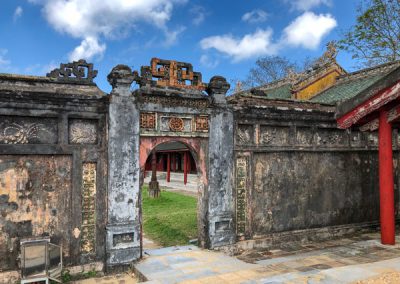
[[52, 167], [296, 171]]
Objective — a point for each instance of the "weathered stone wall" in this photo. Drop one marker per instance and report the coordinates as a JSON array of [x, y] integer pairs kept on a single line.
[[52, 167], [296, 171]]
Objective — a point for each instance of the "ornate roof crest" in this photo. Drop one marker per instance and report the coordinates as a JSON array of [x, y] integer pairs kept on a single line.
[[170, 73], [329, 55], [77, 71]]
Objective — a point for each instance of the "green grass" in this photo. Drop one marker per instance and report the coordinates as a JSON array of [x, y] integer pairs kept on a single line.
[[171, 219]]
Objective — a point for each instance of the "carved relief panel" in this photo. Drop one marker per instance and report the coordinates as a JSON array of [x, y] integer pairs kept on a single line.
[[148, 120], [331, 137], [88, 229], [244, 134], [304, 136], [82, 131], [241, 188], [274, 135], [175, 124], [28, 130]]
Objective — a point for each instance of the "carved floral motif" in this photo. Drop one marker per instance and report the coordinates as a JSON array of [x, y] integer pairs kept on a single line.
[[241, 185], [20, 133], [176, 124], [82, 132]]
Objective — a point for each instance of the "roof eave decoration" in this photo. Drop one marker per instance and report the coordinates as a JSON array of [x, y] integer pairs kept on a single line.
[[169, 73], [77, 72], [387, 89]]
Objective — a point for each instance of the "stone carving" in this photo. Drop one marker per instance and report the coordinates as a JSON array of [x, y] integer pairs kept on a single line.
[[244, 134], [20, 130], [80, 71], [82, 131], [123, 238], [169, 73], [241, 184], [331, 137], [148, 120], [88, 231], [173, 102], [304, 136], [176, 124], [274, 135], [201, 123]]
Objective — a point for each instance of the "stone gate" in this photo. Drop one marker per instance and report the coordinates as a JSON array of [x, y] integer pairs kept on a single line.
[[171, 107]]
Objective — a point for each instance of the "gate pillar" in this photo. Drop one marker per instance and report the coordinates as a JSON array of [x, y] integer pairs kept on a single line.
[[220, 195], [123, 226]]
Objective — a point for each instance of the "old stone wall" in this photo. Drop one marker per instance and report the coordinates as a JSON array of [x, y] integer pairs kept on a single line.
[[52, 167], [296, 171]]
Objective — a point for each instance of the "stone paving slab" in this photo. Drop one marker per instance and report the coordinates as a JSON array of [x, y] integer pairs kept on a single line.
[[340, 261]]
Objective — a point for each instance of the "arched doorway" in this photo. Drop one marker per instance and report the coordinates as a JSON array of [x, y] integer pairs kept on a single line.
[[181, 175]]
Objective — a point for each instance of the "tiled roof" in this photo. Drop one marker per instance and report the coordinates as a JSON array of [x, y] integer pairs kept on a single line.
[[349, 85], [280, 89]]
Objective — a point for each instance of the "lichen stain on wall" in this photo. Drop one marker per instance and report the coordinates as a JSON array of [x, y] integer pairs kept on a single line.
[[34, 200]]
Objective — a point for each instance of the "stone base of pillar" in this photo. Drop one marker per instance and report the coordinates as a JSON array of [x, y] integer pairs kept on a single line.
[[154, 189], [123, 244]]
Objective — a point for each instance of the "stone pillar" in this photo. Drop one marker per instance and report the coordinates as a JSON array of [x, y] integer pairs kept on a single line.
[[123, 226], [220, 192]]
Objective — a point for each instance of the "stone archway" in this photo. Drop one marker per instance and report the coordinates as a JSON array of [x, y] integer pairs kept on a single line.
[[198, 148], [160, 111]]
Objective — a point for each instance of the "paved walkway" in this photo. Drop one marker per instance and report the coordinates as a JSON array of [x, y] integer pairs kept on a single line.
[[341, 261]]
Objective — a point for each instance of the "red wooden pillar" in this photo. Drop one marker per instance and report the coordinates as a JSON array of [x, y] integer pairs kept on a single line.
[[169, 167], [386, 181], [185, 163]]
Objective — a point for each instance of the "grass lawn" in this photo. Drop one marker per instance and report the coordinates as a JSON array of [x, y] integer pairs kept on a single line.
[[171, 219]]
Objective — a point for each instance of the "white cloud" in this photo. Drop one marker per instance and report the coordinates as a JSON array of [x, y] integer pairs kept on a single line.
[[208, 62], [306, 5], [17, 13], [88, 48], [255, 16], [199, 14], [91, 20], [173, 35], [4, 63], [308, 30], [250, 45]]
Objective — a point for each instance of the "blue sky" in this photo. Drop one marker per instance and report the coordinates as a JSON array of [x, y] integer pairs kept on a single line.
[[218, 37]]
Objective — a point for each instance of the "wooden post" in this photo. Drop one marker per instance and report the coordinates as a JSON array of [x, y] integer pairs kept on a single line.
[[185, 158], [386, 192], [154, 189], [169, 167]]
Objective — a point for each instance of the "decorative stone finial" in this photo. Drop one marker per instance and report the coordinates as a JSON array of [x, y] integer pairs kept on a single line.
[[170, 73], [217, 89], [78, 71], [121, 78]]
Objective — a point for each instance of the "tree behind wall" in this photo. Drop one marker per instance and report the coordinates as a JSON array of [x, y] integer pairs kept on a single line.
[[375, 38]]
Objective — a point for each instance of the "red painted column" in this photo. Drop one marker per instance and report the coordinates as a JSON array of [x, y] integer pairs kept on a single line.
[[169, 167], [185, 158], [386, 192]]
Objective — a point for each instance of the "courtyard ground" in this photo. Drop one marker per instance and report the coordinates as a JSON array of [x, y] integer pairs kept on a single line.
[[170, 219], [361, 259]]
